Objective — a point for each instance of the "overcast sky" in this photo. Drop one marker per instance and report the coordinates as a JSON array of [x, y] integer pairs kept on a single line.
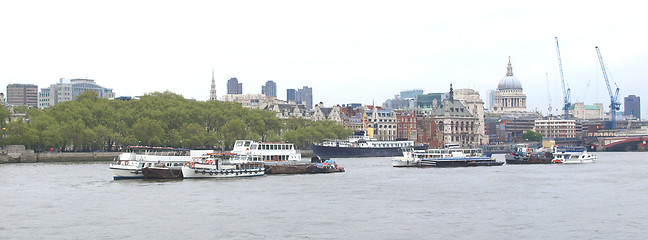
[[347, 51]]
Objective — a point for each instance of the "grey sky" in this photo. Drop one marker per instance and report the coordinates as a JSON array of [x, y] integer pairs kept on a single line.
[[348, 51]]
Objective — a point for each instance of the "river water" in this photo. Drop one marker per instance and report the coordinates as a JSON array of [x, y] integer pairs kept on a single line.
[[372, 200]]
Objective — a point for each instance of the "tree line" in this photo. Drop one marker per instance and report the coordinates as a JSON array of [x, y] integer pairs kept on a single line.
[[90, 123]]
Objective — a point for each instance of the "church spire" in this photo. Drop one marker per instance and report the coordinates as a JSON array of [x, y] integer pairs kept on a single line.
[[212, 92], [451, 97], [509, 69]]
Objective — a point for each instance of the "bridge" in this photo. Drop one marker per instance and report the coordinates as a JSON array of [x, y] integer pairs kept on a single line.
[[630, 143]]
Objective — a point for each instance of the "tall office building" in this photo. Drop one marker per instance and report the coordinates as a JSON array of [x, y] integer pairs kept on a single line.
[[67, 90], [234, 87], [290, 95], [22, 94], [632, 106], [269, 89], [305, 96], [212, 92]]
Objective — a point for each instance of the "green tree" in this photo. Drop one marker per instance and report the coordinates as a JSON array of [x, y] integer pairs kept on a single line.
[[233, 130], [4, 116], [75, 135], [148, 131], [532, 136], [18, 133], [104, 138]]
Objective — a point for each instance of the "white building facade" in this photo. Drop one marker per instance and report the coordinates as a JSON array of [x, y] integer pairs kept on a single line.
[[558, 128], [67, 90]]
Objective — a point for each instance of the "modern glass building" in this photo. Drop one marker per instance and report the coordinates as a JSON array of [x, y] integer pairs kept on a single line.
[[66, 90], [234, 87], [632, 106], [305, 96], [291, 95], [269, 89]]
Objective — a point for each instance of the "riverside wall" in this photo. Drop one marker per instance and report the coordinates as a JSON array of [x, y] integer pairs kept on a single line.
[[18, 154]]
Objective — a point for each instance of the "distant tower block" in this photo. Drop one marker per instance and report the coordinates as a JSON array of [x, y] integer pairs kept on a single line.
[[212, 92]]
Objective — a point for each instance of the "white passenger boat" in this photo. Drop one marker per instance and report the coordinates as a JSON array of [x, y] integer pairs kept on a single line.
[[224, 166], [409, 159], [572, 155], [444, 157], [267, 151], [129, 164]]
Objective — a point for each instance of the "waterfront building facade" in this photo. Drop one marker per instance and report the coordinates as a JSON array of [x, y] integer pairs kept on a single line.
[[428, 131], [234, 87], [305, 96], [250, 100], [509, 96], [67, 90], [558, 128], [632, 106], [512, 127], [590, 112], [22, 94], [383, 123], [407, 125], [474, 104], [288, 110], [269, 89], [457, 124], [323, 113]]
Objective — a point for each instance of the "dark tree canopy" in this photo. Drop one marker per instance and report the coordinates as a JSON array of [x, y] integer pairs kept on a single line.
[[91, 123]]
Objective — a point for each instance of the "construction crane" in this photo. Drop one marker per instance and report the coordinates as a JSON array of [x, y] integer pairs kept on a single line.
[[614, 97], [548, 93], [566, 91]]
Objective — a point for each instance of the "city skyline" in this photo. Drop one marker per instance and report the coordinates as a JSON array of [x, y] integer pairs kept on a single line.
[[367, 54]]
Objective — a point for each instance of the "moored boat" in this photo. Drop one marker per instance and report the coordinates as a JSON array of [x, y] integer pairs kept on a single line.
[[286, 168], [163, 171], [524, 154], [360, 145], [445, 157], [130, 163], [328, 166], [568, 155], [224, 166], [268, 151]]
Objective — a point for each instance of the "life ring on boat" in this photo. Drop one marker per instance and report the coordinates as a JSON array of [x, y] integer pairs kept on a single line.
[[192, 165], [119, 162], [126, 163], [208, 161]]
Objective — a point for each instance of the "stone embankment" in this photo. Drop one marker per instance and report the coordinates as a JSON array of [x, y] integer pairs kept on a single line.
[[18, 154]]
